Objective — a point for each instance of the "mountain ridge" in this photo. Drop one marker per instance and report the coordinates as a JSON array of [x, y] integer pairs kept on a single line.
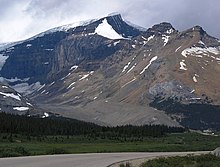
[[120, 76]]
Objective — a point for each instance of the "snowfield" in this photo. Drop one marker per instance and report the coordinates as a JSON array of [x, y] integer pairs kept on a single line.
[[105, 29]]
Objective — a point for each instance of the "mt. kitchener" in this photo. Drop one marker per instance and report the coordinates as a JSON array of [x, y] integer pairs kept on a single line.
[[109, 72]]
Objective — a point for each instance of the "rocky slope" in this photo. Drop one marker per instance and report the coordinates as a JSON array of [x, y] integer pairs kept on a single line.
[[13, 102], [111, 73]]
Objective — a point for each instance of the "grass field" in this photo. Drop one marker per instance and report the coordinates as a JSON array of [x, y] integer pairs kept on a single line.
[[187, 161], [16, 145]]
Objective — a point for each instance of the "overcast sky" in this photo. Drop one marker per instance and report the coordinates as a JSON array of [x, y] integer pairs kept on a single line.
[[20, 19]]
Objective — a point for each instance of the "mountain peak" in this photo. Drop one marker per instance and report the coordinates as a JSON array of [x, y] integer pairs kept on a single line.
[[163, 27], [199, 29], [115, 14], [120, 26]]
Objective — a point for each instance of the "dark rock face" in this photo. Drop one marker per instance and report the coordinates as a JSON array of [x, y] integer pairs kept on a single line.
[[194, 115], [81, 49], [32, 59], [122, 27], [162, 28]]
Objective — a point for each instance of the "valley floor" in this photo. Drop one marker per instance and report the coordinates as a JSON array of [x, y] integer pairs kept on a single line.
[[17, 145]]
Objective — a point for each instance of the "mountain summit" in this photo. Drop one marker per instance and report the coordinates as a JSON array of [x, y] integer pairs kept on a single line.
[[110, 72]]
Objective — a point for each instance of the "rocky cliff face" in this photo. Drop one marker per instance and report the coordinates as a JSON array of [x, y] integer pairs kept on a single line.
[[111, 73], [32, 58], [86, 45]]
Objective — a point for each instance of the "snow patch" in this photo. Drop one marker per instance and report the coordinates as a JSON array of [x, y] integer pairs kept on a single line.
[[12, 95], [134, 57], [192, 91], [41, 87], [43, 92], [126, 66], [29, 104], [183, 65], [74, 67], [166, 39], [194, 78], [199, 52], [49, 49], [150, 37], [195, 98], [2, 60], [202, 43], [71, 85], [178, 48], [132, 67], [170, 31], [28, 45], [51, 83], [144, 38], [21, 108], [117, 42], [151, 61], [84, 77], [45, 115], [213, 50], [105, 29]]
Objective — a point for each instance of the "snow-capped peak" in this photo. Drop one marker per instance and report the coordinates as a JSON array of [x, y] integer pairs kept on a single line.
[[4, 46], [73, 25], [64, 28]]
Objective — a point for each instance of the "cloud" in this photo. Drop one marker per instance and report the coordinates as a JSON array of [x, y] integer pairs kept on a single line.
[[25, 18]]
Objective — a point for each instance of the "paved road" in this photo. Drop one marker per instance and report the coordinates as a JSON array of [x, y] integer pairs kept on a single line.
[[77, 160]]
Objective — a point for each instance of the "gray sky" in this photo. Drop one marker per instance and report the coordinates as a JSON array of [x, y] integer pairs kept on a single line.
[[21, 19]]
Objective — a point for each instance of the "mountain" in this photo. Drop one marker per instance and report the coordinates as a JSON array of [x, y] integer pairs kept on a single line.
[[109, 72]]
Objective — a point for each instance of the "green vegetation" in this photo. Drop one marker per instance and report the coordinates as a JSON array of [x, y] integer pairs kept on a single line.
[[125, 165], [19, 145], [187, 161], [33, 136], [60, 126]]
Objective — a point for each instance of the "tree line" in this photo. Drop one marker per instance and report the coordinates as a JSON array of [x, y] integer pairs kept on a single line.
[[15, 124]]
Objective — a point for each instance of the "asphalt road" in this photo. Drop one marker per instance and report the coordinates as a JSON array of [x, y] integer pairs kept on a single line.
[[79, 160]]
